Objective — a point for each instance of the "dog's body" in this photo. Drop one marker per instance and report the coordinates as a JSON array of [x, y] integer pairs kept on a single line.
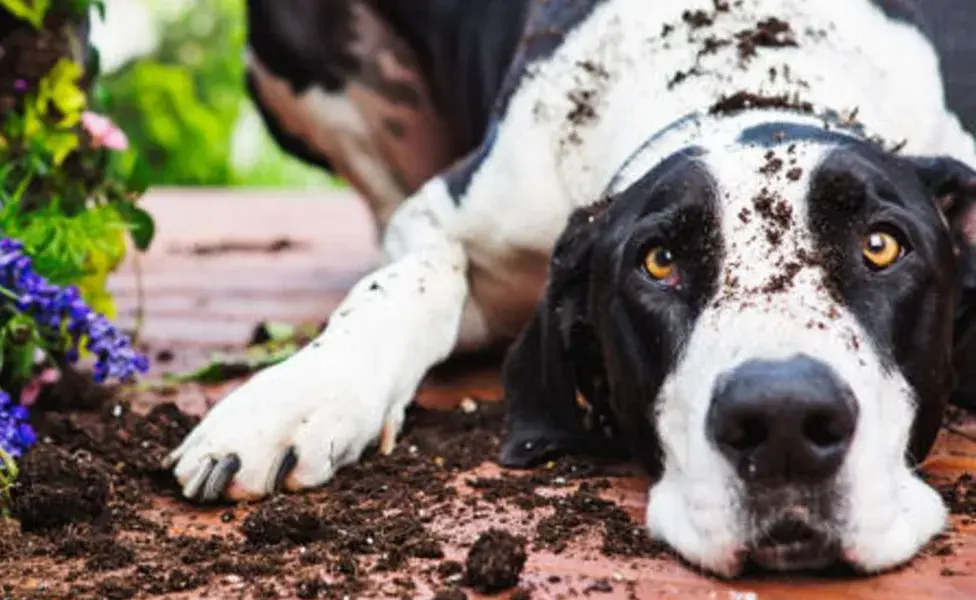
[[726, 132]]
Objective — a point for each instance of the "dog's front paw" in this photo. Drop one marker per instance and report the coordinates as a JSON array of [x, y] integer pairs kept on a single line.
[[290, 426]]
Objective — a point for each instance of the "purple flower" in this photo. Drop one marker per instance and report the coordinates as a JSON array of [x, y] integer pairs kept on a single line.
[[16, 434], [56, 309], [20, 85]]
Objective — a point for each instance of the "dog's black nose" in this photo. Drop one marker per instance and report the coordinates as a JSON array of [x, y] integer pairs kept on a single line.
[[790, 420]]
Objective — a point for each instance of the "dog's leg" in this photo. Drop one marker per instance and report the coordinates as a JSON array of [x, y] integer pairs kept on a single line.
[[294, 424], [338, 87]]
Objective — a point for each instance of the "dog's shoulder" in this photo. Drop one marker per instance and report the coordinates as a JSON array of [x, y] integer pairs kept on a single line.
[[949, 26]]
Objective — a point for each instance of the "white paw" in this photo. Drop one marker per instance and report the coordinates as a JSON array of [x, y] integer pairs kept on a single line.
[[291, 426]]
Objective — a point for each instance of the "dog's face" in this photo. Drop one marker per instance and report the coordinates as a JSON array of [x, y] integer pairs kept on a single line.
[[771, 329]]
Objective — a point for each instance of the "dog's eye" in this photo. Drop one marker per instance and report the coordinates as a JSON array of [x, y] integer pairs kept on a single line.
[[659, 263], [881, 250]]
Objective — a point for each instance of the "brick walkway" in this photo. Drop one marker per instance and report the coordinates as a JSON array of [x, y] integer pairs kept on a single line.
[[221, 262], [206, 299]]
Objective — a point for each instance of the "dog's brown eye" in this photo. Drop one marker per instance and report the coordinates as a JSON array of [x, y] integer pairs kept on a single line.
[[881, 250], [659, 263]]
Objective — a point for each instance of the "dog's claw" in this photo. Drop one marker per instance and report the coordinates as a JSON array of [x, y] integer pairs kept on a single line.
[[221, 474], [388, 437], [199, 478], [288, 462], [170, 460]]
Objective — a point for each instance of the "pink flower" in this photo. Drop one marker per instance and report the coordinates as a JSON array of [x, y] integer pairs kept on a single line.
[[29, 394], [103, 132]]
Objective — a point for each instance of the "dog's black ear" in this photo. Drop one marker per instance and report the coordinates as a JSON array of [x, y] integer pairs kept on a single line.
[[953, 187], [552, 374]]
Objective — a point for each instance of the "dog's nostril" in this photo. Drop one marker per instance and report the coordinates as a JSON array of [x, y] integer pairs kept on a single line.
[[787, 420], [824, 429], [747, 434]]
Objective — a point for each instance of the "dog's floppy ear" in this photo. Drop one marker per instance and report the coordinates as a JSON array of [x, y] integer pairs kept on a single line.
[[552, 374], [953, 187]]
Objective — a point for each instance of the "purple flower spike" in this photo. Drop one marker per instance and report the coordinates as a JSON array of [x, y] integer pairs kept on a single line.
[[20, 85], [16, 435], [53, 307]]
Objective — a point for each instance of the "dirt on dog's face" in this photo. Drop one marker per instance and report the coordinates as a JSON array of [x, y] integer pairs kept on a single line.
[[769, 326]]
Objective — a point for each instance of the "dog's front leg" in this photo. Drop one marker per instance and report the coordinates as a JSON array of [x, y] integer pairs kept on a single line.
[[294, 424]]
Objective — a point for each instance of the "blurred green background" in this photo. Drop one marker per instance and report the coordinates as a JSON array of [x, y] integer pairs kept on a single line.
[[173, 80]]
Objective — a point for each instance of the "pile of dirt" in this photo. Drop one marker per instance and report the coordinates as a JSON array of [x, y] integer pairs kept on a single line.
[[960, 495], [495, 561]]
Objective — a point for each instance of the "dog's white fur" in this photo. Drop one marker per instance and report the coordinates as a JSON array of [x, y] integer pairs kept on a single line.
[[472, 271]]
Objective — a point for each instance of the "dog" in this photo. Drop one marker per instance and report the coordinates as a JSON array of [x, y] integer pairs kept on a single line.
[[731, 239]]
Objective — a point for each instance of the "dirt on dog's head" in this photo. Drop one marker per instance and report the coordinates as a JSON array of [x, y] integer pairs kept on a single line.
[[771, 324]]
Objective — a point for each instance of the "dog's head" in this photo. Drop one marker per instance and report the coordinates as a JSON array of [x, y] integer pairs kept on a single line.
[[774, 328]]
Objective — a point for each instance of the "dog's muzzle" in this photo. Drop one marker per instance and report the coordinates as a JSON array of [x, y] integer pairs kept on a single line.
[[786, 428]]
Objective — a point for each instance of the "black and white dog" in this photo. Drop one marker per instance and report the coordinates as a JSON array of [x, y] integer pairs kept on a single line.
[[730, 238]]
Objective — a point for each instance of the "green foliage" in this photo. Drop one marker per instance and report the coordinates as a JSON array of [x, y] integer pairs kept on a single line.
[[181, 105], [70, 201], [182, 138], [46, 126], [8, 475], [32, 11], [68, 194]]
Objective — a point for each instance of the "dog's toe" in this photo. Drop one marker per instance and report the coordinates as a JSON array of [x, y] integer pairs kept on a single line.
[[220, 476], [197, 477], [285, 466]]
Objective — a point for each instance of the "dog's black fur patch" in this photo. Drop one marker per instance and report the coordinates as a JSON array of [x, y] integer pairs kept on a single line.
[[605, 329], [904, 308]]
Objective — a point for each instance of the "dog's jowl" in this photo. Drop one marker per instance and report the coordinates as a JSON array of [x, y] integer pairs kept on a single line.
[[734, 240]]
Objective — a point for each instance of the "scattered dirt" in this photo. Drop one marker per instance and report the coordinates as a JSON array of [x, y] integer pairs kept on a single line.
[[594, 68], [584, 109], [495, 561], [712, 45], [960, 495], [91, 519], [773, 165], [744, 100], [681, 76], [770, 33], [238, 247], [697, 19]]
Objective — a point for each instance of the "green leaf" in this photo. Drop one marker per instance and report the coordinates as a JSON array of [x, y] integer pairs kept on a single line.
[[61, 144], [142, 227], [94, 61], [8, 475], [140, 176], [225, 368], [62, 85], [32, 11], [279, 332]]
